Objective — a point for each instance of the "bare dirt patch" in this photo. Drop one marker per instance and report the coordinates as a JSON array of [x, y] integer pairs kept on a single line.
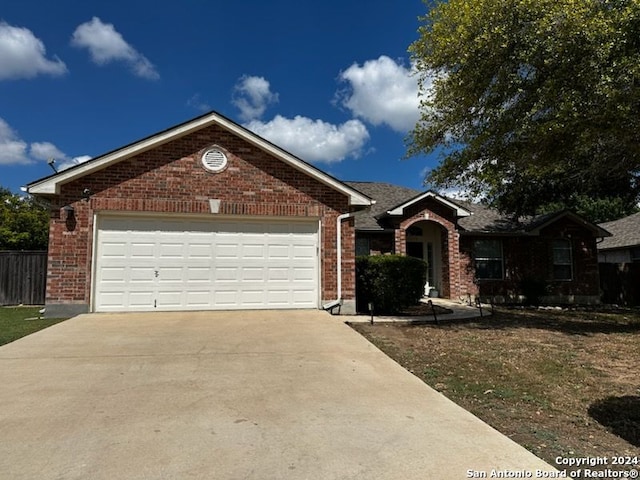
[[560, 383]]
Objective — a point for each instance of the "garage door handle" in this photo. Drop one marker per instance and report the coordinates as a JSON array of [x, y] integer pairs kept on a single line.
[[157, 273]]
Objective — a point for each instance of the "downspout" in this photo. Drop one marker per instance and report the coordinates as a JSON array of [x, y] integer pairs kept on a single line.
[[338, 300]]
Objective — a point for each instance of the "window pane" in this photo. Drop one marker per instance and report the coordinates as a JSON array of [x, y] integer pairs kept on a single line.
[[561, 252], [562, 262], [562, 256], [488, 249], [489, 269]]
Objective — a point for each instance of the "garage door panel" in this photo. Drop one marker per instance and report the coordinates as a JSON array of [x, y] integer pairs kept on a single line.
[[114, 249], [278, 274], [198, 250], [199, 274], [143, 299], [301, 274], [279, 297], [227, 250], [178, 264], [170, 274], [304, 252], [113, 299], [226, 298], [113, 275], [252, 274], [171, 250], [197, 298], [253, 251], [140, 274], [169, 298], [279, 251], [252, 298], [141, 250]]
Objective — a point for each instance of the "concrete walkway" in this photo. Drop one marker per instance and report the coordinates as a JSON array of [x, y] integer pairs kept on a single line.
[[459, 310], [229, 395]]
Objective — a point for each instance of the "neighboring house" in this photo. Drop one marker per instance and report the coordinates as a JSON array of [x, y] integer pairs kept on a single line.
[[473, 251], [619, 257], [204, 215], [623, 246]]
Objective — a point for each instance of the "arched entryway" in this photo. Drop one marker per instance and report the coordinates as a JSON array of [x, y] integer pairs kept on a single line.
[[425, 241]]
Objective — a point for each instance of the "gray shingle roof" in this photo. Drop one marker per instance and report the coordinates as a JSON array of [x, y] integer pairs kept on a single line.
[[625, 233], [386, 196], [482, 220]]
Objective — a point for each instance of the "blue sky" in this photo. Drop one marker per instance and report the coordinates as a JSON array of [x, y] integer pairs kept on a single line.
[[330, 81]]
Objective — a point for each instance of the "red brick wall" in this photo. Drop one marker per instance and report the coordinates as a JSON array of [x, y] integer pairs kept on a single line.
[[170, 179], [532, 258]]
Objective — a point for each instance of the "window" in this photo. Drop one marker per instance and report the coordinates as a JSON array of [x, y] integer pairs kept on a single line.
[[635, 255], [362, 247], [562, 263], [488, 259]]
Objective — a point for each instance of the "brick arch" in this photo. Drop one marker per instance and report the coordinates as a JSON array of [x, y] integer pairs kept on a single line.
[[451, 260]]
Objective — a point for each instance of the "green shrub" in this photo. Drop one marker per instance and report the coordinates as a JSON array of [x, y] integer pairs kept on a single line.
[[391, 282]]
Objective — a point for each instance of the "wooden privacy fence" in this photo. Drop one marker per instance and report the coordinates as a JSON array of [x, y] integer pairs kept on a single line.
[[620, 283], [23, 278]]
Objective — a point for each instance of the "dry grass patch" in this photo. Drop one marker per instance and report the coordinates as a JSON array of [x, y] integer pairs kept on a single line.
[[560, 383]]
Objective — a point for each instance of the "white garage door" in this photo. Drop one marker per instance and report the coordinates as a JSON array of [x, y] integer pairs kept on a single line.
[[146, 264]]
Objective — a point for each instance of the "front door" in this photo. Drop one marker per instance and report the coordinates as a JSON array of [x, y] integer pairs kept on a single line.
[[424, 242]]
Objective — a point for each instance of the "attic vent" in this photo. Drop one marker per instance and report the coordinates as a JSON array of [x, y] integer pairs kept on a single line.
[[214, 160]]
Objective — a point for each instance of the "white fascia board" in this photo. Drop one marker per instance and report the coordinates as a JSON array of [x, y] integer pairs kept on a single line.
[[460, 212], [51, 185]]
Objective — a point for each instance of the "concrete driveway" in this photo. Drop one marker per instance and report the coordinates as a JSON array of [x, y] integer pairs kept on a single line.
[[229, 395]]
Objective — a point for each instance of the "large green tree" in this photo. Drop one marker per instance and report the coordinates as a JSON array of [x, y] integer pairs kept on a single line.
[[24, 225], [533, 103]]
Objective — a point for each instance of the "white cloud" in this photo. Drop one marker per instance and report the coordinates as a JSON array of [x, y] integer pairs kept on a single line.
[[45, 151], [73, 161], [106, 45], [23, 55], [314, 140], [382, 92], [14, 150], [252, 96]]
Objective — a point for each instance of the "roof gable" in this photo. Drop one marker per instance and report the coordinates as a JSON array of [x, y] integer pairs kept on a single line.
[[489, 221], [398, 210], [51, 185]]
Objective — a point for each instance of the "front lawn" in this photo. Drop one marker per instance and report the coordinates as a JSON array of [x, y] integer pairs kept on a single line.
[[560, 383], [17, 322]]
